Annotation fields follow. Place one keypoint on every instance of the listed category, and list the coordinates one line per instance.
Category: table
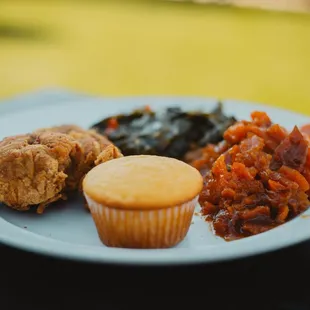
(276, 280)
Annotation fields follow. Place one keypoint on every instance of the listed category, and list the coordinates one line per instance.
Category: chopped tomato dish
(256, 179)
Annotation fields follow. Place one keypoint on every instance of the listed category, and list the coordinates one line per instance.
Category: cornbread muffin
(142, 201)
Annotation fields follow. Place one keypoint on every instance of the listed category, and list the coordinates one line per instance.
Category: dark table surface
(278, 280)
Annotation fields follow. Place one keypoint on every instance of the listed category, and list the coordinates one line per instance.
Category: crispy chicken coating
(34, 168)
(39, 168)
(91, 144)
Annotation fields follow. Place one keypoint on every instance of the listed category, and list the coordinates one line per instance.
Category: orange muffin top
(142, 182)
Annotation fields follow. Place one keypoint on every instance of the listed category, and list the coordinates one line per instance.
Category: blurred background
(256, 50)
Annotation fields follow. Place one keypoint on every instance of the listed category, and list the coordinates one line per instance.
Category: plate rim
(11, 234)
(59, 95)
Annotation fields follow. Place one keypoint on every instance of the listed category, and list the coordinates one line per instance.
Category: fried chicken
(33, 168)
(39, 168)
(91, 143)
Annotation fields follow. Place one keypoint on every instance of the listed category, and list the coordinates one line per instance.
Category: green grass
(155, 47)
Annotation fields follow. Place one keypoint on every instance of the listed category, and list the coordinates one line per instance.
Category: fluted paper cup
(158, 228)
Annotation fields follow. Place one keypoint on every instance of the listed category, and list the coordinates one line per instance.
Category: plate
(67, 230)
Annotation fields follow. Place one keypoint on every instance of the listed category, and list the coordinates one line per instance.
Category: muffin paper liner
(162, 228)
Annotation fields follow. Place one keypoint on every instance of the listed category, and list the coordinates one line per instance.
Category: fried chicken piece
(34, 168)
(109, 153)
(38, 168)
(92, 145)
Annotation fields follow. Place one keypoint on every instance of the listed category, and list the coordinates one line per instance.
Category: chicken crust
(91, 144)
(33, 168)
(39, 168)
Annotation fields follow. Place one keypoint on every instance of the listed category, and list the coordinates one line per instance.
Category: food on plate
(248, 176)
(142, 201)
(257, 179)
(171, 132)
(40, 167)
(306, 130)
(33, 168)
(91, 145)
